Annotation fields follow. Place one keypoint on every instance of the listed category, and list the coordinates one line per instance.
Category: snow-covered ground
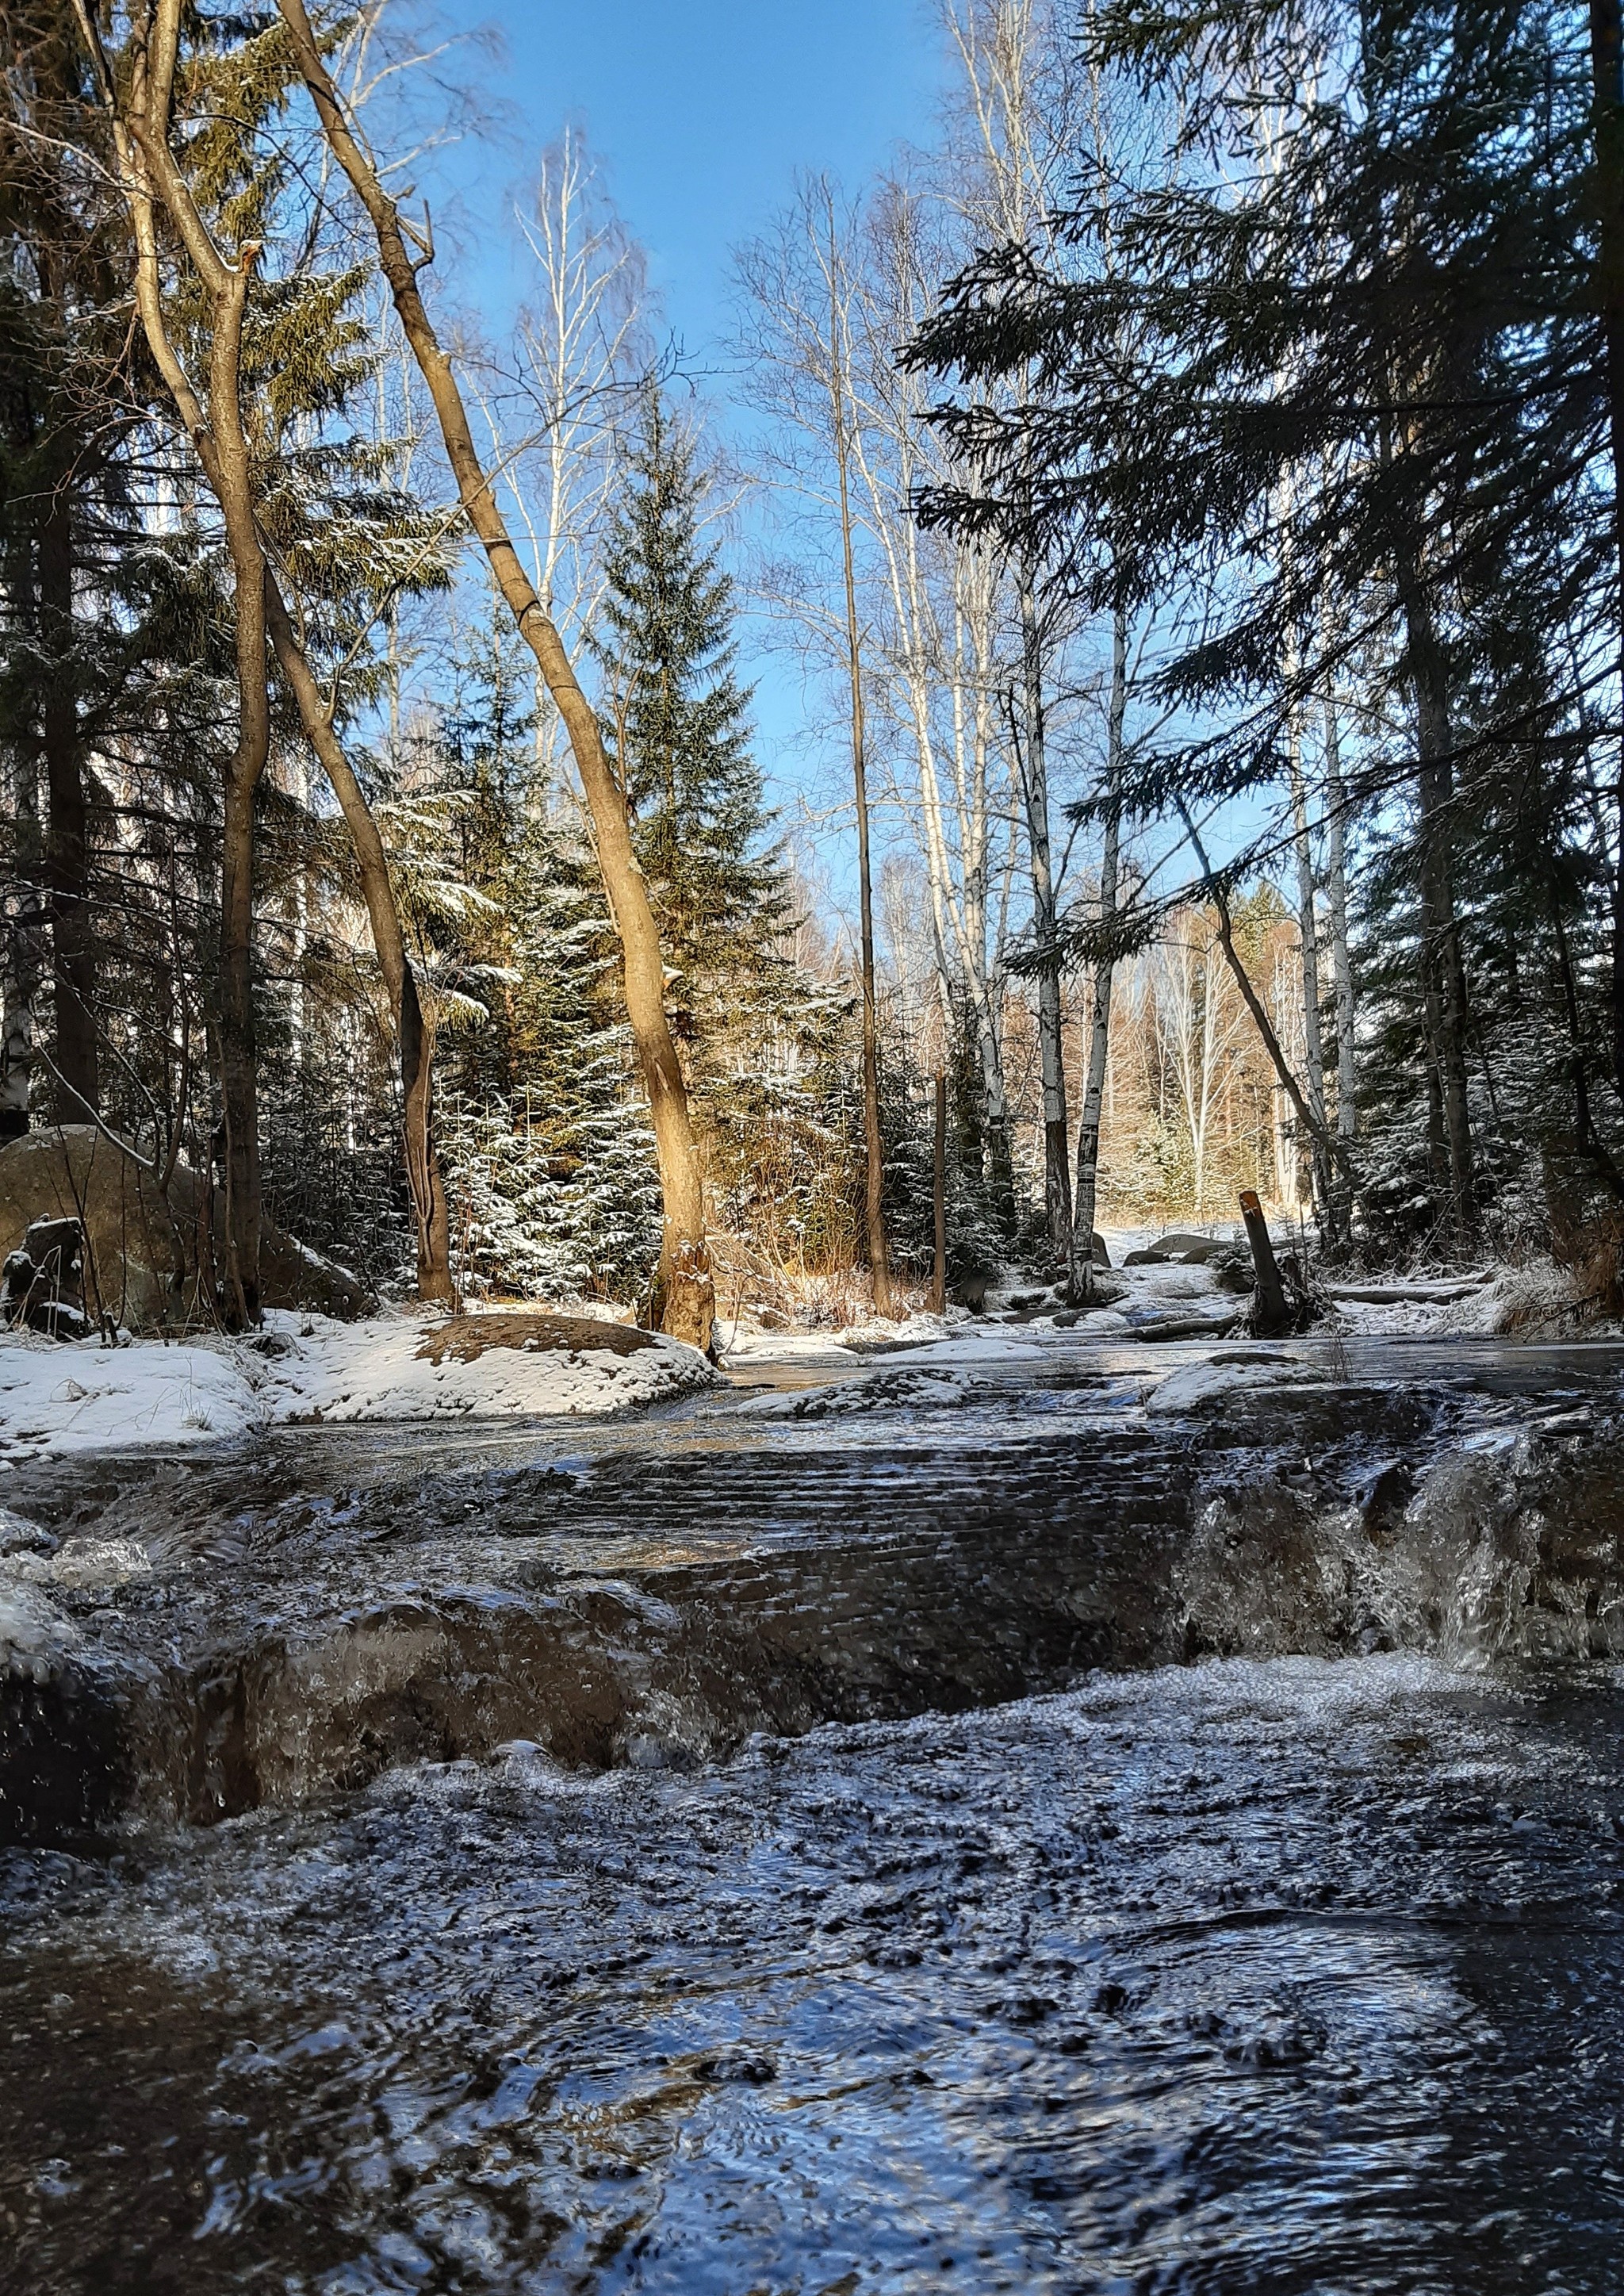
(1534, 1302)
(56, 1399)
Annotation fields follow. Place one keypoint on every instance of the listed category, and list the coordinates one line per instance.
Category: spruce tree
(1353, 309)
(676, 722)
(549, 1156)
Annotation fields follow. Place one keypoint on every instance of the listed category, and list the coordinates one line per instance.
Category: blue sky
(699, 117)
(703, 112)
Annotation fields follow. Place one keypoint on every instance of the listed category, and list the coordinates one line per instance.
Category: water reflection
(1283, 1977)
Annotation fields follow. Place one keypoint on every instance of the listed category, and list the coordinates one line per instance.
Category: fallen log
(1399, 1295)
(1184, 1327)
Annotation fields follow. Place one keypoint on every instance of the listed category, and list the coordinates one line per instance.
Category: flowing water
(939, 1831)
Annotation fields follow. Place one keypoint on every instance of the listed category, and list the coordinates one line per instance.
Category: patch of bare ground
(466, 1338)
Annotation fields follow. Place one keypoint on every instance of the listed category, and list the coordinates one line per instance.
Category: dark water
(1286, 1976)
(1279, 1975)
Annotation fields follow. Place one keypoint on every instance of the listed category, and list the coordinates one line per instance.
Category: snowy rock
(1204, 1386)
(19, 1536)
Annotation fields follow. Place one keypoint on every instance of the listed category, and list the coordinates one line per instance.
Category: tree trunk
(1607, 75)
(22, 921)
(1307, 932)
(1443, 965)
(1260, 1020)
(1000, 1155)
(1035, 787)
(873, 1145)
(140, 133)
(430, 1219)
(19, 962)
(1342, 967)
(239, 1049)
(939, 1287)
(221, 449)
(684, 1298)
(1104, 971)
(67, 850)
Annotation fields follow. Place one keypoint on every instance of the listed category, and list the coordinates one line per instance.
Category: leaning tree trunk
(1105, 974)
(430, 1219)
(684, 1300)
(1308, 1126)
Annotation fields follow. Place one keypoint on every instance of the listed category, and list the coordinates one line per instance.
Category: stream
(968, 1820)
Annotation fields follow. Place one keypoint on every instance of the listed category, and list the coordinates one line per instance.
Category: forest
(812, 1148)
(1181, 498)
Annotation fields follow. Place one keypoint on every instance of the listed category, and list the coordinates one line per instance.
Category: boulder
(1180, 1243)
(148, 1256)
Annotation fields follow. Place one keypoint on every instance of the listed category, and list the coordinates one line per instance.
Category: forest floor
(145, 1394)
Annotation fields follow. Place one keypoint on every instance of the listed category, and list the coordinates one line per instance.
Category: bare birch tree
(803, 328)
(583, 355)
(1006, 171)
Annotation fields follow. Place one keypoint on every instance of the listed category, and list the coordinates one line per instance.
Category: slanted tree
(281, 357)
(685, 1299)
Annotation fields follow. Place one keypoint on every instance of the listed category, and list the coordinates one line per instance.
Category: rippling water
(1285, 1975)
(1289, 1976)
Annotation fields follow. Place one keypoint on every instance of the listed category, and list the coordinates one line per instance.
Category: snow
(1535, 1302)
(57, 1399)
(1193, 1387)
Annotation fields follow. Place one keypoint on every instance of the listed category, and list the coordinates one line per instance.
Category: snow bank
(1535, 1302)
(741, 1344)
(56, 1399)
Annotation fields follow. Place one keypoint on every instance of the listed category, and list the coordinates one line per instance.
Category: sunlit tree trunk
(141, 126)
(684, 1295)
(873, 1210)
